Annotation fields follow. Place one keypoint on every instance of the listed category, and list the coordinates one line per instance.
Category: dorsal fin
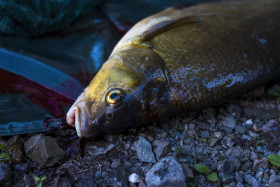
(168, 25)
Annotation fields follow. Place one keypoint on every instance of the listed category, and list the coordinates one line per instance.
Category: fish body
(181, 60)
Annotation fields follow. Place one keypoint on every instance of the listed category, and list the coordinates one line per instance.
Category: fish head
(118, 95)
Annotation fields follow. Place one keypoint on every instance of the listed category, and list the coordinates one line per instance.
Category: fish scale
(181, 60)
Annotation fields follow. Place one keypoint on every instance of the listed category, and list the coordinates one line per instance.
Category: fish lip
(78, 122)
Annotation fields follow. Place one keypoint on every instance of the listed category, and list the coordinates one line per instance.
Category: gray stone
(239, 185)
(246, 137)
(249, 179)
(144, 150)
(204, 134)
(115, 164)
(43, 150)
(240, 129)
(88, 178)
(234, 152)
(213, 141)
(225, 176)
(120, 177)
(5, 175)
(187, 171)
(167, 172)
(274, 184)
(263, 162)
(274, 178)
(239, 177)
(15, 148)
(226, 166)
(218, 135)
(99, 147)
(229, 122)
(161, 148)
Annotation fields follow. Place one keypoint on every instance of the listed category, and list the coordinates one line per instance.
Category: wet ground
(233, 140)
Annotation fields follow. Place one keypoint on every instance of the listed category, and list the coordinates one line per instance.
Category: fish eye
(115, 96)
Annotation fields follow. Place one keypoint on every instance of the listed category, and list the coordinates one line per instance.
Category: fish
(180, 60)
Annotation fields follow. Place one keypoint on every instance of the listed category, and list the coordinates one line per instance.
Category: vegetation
(204, 170)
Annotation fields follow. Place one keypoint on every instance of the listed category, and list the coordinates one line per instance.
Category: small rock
(274, 184)
(229, 122)
(159, 147)
(240, 129)
(43, 150)
(167, 172)
(218, 135)
(263, 162)
(274, 178)
(120, 176)
(271, 125)
(15, 148)
(204, 134)
(251, 180)
(5, 175)
(225, 176)
(187, 171)
(253, 156)
(87, 178)
(253, 135)
(225, 166)
(239, 177)
(239, 185)
(234, 152)
(246, 137)
(144, 150)
(213, 141)
(99, 147)
(115, 164)
(134, 178)
(249, 122)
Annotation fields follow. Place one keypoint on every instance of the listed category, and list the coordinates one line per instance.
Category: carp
(180, 60)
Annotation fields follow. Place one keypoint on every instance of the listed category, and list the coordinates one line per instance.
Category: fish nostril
(70, 117)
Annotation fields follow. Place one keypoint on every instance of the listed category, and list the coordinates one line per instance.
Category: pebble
(43, 150)
(234, 152)
(204, 134)
(274, 178)
(213, 141)
(144, 150)
(263, 162)
(161, 148)
(274, 184)
(15, 148)
(187, 171)
(218, 135)
(239, 177)
(95, 148)
(226, 166)
(249, 122)
(134, 178)
(249, 179)
(240, 129)
(5, 175)
(246, 137)
(167, 172)
(229, 122)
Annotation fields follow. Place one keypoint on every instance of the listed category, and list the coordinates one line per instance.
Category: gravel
(226, 139)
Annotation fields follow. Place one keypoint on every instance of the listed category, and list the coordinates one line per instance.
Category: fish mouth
(73, 119)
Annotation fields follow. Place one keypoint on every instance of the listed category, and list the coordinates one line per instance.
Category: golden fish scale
(217, 58)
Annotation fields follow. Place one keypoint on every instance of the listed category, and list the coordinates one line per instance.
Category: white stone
(134, 178)
(249, 122)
